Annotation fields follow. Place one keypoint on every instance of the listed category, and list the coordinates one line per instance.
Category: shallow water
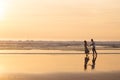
(52, 63)
(56, 51)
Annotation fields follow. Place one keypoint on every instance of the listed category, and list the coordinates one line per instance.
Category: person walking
(93, 47)
(86, 48)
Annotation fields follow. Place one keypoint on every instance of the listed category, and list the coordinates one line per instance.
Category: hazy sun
(2, 6)
(1, 13)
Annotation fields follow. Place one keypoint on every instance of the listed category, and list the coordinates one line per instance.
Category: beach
(65, 76)
(59, 66)
(59, 40)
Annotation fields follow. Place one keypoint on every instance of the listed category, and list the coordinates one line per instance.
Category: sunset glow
(60, 19)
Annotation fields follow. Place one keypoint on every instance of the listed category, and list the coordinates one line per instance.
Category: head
(92, 40)
(85, 41)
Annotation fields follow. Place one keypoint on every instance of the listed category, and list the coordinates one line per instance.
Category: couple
(87, 52)
(93, 47)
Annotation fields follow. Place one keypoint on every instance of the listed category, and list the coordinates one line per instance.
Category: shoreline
(59, 53)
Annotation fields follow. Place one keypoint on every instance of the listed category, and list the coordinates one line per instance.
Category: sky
(59, 19)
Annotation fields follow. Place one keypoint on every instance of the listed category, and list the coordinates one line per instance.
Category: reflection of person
(86, 48)
(93, 62)
(93, 47)
(86, 62)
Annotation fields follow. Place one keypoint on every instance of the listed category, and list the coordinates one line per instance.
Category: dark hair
(85, 42)
(91, 39)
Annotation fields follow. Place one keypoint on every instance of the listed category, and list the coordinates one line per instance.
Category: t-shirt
(93, 44)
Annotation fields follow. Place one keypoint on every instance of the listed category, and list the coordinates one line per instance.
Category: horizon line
(50, 39)
(48, 53)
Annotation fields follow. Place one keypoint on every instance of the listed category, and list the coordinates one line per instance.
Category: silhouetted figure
(93, 47)
(86, 48)
(86, 62)
(93, 62)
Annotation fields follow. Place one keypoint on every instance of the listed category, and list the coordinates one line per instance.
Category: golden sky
(60, 19)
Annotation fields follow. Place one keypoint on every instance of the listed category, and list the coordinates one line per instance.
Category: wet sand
(65, 76)
(58, 67)
(47, 63)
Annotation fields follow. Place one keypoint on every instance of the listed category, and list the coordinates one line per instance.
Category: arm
(91, 44)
